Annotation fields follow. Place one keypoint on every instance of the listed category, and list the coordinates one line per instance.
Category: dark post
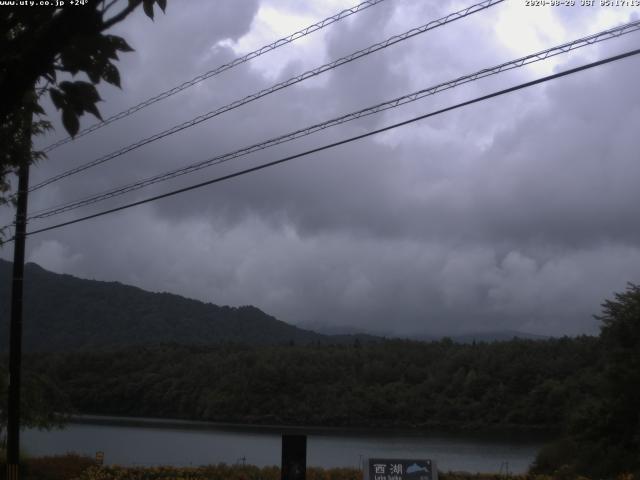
(15, 335)
(294, 457)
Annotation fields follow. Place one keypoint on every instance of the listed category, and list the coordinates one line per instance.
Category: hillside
(63, 312)
(521, 384)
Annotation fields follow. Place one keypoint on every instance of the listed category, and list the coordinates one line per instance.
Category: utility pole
(15, 335)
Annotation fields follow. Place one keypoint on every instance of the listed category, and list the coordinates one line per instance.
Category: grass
(78, 467)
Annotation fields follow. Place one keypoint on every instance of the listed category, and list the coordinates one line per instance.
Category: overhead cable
(389, 104)
(341, 142)
(274, 88)
(222, 68)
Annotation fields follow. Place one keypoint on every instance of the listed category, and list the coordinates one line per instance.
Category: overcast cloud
(516, 213)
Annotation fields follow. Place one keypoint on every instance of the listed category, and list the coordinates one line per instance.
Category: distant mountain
(342, 330)
(63, 312)
(497, 336)
(488, 336)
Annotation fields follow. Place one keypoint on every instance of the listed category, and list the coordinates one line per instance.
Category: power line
(222, 68)
(396, 102)
(342, 142)
(274, 88)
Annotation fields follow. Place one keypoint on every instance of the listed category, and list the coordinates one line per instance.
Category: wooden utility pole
(15, 335)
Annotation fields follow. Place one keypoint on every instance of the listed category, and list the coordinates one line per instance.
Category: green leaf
(147, 5)
(73, 58)
(41, 126)
(111, 75)
(93, 74)
(162, 4)
(70, 121)
(80, 97)
(82, 91)
(57, 98)
(67, 87)
(91, 108)
(119, 43)
(37, 109)
(86, 99)
(106, 48)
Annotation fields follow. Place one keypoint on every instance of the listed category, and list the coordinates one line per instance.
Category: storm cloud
(516, 213)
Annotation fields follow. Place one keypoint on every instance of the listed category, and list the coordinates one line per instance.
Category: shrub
(59, 467)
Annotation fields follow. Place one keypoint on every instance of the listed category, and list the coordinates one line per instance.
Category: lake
(159, 442)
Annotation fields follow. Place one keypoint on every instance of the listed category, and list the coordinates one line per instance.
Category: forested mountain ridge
(63, 312)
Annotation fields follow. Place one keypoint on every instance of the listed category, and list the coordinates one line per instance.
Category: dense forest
(520, 383)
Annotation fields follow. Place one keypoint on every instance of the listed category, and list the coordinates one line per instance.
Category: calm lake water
(198, 444)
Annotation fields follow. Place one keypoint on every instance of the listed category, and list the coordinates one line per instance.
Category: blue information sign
(400, 469)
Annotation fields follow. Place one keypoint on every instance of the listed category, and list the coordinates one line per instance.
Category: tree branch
(108, 6)
(120, 16)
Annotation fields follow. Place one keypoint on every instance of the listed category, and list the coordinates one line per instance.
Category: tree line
(516, 384)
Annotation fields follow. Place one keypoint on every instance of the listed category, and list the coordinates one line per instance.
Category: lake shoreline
(132, 442)
(515, 433)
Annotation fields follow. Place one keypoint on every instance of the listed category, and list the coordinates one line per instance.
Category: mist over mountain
(469, 337)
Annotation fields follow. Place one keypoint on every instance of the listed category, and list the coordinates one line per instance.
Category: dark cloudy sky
(516, 213)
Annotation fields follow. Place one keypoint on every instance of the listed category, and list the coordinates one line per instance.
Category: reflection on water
(126, 445)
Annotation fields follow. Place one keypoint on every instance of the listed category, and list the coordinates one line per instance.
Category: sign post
(400, 469)
(294, 457)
